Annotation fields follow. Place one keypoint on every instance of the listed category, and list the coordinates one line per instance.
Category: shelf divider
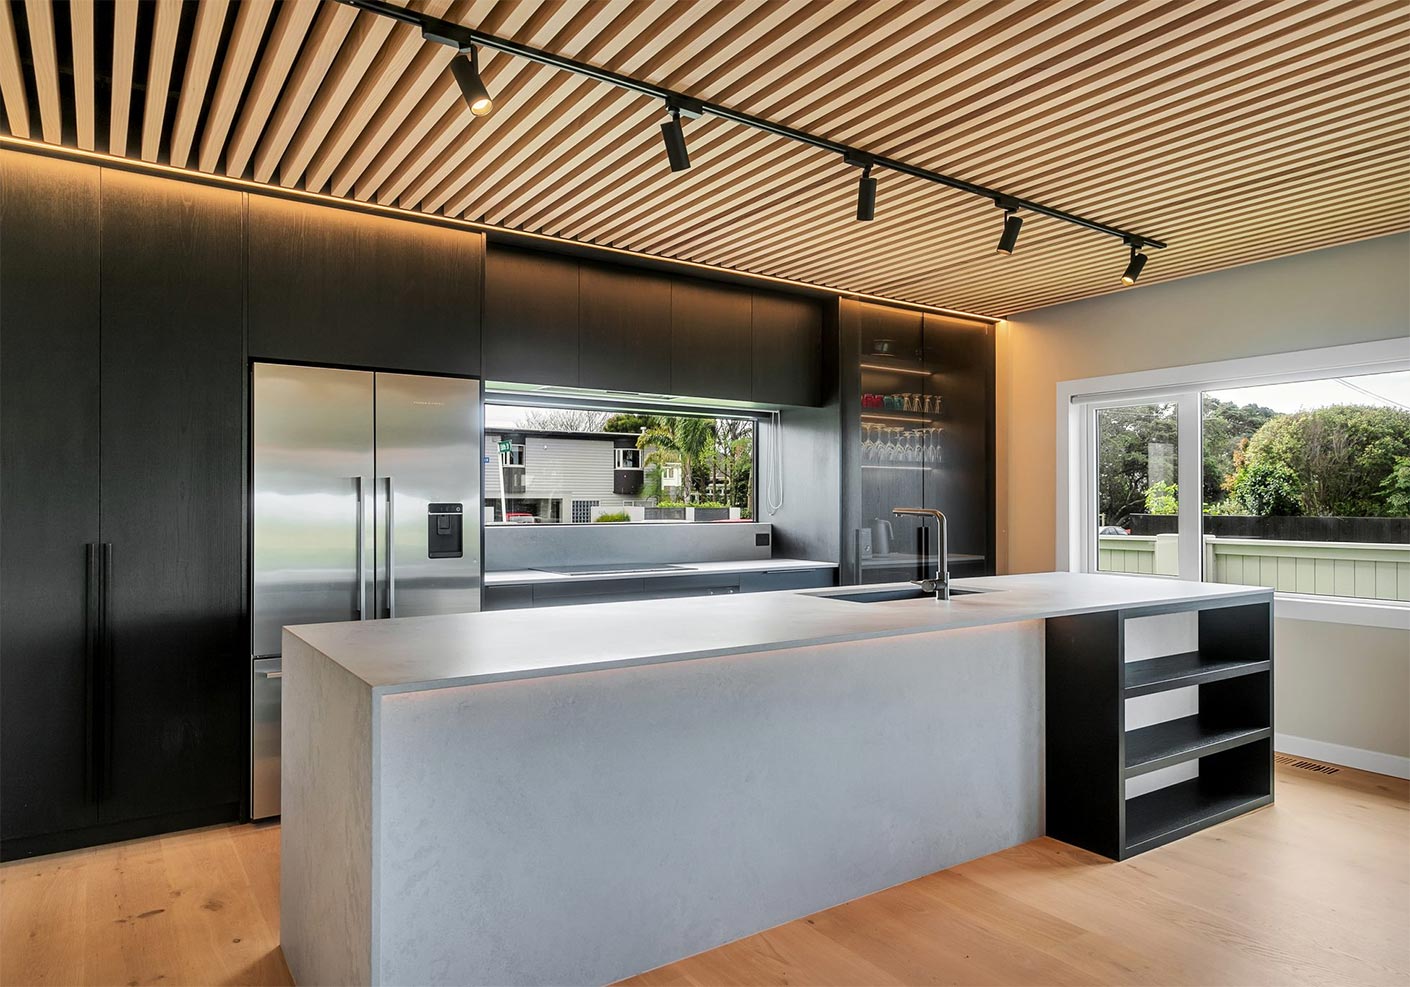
(1189, 668)
(1189, 737)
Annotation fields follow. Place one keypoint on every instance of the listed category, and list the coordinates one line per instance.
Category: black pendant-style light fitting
(674, 139)
(866, 195)
(866, 185)
(1133, 269)
(466, 69)
(1013, 222)
(467, 75)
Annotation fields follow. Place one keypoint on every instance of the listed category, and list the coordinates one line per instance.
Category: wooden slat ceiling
(1237, 130)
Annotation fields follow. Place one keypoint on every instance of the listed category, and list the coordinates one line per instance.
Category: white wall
(1337, 684)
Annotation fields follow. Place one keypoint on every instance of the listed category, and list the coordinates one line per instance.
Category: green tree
(684, 440)
(1396, 487)
(1163, 498)
(1126, 437)
(1342, 458)
(625, 422)
(1226, 426)
(730, 460)
(1268, 489)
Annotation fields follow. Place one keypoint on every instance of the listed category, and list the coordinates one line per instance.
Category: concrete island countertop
(522, 577)
(423, 653)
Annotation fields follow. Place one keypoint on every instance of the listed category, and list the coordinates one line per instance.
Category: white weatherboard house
(561, 476)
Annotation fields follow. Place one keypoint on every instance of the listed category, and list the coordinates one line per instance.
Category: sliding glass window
(1301, 485)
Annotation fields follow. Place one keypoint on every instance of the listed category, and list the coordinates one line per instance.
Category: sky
(505, 415)
(1385, 390)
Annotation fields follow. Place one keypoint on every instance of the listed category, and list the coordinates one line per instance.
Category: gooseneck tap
(940, 585)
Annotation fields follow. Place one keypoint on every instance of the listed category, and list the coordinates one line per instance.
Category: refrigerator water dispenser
(444, 538)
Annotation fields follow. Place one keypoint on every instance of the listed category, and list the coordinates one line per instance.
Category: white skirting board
(1350, 757)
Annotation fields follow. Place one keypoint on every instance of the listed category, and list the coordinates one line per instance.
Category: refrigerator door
(266, 696)
(311, 500)
(428, 495)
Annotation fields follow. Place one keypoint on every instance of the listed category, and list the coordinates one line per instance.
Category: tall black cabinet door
(48, 489)
(172, 479)
(624, 329)
(961, 354)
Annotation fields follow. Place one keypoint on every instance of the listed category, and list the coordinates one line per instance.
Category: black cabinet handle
(105, 658)
(92, 633)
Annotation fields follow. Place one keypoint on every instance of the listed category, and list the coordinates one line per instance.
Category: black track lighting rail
(462, 37)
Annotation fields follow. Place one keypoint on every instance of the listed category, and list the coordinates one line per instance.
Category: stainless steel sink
(892, 595)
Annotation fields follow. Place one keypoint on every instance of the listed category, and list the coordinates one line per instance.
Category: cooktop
(610, 568)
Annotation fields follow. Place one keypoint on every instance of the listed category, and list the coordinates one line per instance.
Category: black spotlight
(1013, 222)
(866, 195)
(467, 73)
(1133, 269)
(674, 137)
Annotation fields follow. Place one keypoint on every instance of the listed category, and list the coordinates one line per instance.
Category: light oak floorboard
(1314, 889)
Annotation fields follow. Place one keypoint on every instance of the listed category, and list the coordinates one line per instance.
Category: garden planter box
(707, 513)
(665, 513)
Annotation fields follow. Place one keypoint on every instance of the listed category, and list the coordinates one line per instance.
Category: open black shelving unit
(1091, 753)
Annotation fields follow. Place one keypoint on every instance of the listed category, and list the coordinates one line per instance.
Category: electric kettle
(881, 535)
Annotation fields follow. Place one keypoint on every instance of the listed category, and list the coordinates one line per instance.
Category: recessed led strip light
(896, 370)
(678, 105)
(103, 159)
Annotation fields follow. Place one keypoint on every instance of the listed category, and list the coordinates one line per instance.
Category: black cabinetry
(172, 477)
(531, 317)
(123, 653)
(787, 349)
(48, 492)
(624, 326)
(335, 286)
(712, 340)
(557, 320)
(918, 390)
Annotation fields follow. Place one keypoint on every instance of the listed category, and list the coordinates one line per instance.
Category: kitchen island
(580, 794)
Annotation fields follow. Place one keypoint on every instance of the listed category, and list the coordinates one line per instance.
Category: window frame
(1079, 400)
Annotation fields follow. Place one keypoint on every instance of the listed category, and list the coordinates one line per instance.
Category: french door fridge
(365, 505)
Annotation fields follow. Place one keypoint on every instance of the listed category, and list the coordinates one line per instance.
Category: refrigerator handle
(391, 554)
(361, 562)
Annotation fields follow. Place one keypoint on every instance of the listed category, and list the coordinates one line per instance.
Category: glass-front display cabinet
(920, 410)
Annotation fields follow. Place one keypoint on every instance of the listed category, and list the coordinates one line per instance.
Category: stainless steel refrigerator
(365, 505)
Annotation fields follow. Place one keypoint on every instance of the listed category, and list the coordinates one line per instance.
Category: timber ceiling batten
(1238, 130)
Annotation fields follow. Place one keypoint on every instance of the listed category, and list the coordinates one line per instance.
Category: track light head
(866, 196)
(1013, 222)
(674, 138)
(1133, 269)
(466, 70)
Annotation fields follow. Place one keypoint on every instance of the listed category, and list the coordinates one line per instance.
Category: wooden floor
(1315, 889)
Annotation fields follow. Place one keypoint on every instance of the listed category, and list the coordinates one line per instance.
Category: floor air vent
(1293, 762)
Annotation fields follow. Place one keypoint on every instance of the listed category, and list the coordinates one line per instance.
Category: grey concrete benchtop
(418, 653)
(522, 577)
